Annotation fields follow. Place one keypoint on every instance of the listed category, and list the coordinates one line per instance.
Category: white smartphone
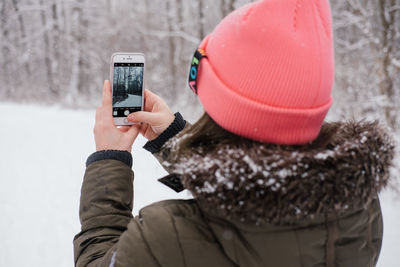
(127, 82)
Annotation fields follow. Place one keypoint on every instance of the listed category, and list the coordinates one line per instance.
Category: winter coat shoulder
(254, 206)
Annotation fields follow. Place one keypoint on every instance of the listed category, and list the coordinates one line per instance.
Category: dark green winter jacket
(253, 206)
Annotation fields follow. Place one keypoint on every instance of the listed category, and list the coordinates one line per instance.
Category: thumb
(153, 119)
(133, 131)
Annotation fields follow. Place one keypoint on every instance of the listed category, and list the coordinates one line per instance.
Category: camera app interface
(127, 88)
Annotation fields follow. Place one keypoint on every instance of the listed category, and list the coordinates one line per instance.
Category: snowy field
(42, 162)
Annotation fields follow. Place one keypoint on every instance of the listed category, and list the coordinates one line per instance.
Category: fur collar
(284, 183)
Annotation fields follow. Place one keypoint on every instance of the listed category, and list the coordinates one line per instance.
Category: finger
(150, 99)
(106, 117)
(124, 129)
(144, 128)
(153, 119)
(99, 116)
(99, 123)
(107, 98)
(107, 103)
(133, 132)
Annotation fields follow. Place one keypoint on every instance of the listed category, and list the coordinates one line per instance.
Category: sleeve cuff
(175, 127)
(124, 156)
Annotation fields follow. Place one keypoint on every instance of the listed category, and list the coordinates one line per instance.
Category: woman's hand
(107, 136)
(156, 116)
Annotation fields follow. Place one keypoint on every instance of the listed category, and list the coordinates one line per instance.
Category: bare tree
(171, 22)
(5, 49)
(56, 35)
(79, 66)
(47, 55)
(227, 6)
(22, 40)
(201, 22)
(387, 16)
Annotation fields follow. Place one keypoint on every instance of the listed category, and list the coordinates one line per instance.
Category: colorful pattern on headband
(198, 55)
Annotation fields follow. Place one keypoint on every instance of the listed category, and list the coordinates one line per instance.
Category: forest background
(58, 51)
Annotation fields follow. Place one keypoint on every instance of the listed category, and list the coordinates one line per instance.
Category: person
(272, 183)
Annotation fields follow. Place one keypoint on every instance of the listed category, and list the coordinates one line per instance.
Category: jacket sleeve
(162, 147)
(109, 235)
(166, 151)
(105, 211)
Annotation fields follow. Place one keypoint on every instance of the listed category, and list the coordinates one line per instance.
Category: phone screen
(127, 88)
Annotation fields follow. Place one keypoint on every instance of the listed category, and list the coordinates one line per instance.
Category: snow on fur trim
(280, 184)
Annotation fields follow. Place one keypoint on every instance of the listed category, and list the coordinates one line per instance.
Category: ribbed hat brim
(253, 119)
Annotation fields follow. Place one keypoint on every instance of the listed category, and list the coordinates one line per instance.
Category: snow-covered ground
(42, 162)
(131, 101)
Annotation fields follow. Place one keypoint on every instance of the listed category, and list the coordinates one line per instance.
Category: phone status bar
(128, 64)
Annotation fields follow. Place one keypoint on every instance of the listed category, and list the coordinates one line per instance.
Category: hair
(208, 135)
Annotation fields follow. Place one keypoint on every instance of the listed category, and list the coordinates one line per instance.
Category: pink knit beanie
(268, 70)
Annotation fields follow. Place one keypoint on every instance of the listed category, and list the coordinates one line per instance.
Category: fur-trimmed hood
(281, 183)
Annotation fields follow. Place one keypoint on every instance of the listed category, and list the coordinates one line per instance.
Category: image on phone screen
(127, 88)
